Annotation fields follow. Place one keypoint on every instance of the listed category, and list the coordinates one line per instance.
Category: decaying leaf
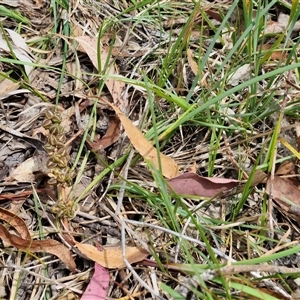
(241, 74)
(276, 54)
(111, 257)
(66, 118)
(74, 68)
(145, 148)
(98, 285)
(111, 136)
(90, 45)
(281, 25)
(283, 192)
(285, 168)
(37, 144)
(12, 3)
(193, 65)
(18, 40)
(213, 13)
(49, 246)
(18, 51)
(9, 88)
(19, 196)
(25, 172)
(193, 168)
(259, 177)
(25, 243)
(193, 184)
(16, 222)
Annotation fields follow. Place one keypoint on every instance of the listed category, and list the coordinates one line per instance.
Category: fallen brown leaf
(285, 168)
(90, 46)
(37, 144)
(27, 170)
(16, 222)
(29, 245)
(283, 192)
(144, 147)
(9, 88)
(20, 195)
(111, 136)
(259, 177)
(193, 65)
(25, 243)
(214, 14)
(193, 184)
(276, 54)
(111, 257)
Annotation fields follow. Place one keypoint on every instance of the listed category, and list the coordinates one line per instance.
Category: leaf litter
(192, 184)
(98, 285)
(25, 243)
(111, 257)
(87, 138)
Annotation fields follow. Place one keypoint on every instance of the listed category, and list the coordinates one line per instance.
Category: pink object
(193, 184)
(97, 288)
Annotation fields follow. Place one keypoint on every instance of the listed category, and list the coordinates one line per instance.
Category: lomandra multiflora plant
(60, 174)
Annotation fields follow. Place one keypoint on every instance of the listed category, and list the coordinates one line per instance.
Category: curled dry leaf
(25, 243)
(111, 257)
(49, 246)
(144, 147)
(37, 144)
(16, 222)
(193, 184)
(19, 196)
